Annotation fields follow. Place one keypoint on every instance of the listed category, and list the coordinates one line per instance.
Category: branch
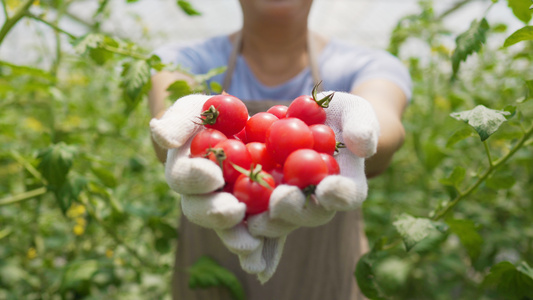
(482, 178)
(23, 196)
(53, 26)
(10, 22)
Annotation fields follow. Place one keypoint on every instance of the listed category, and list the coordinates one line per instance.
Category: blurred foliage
(85, 212)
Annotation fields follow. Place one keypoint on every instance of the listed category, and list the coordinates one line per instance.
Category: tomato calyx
(324, 102)
(209, 116)
(338, 146)
(220, 155)
(255, 175)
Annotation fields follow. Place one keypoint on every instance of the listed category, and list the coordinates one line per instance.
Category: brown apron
(317, 263)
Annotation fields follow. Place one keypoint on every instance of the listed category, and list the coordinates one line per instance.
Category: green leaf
(178, 89)
(93, 44)
(529, 85)
(521, 9)
(466, 230)
(135, 80)
(522, 34)
(69, 192)
(77, 272)
(484, 120)
(469, 42)
(215, 87)
(55, 163)
(455, 178)
(458, 136)
(365, 277)
(510, 281)
(501, 180)
(206, 273)
(187, 8)
(392, 274)
(16, 70)
(413, 230)
(105, 176)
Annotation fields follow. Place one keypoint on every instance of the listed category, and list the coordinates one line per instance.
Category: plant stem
(110, 231)
(4, 7)
(53, 26)
(10, 22)
(124, 53)
(484, 176)
(29, 167)
(487, 150)
(23, 196)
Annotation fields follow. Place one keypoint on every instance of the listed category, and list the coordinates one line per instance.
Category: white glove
(259, 243)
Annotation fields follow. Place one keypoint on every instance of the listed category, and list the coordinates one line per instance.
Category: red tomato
(331, 162)
(225, 113)
(306, 109)
(324, 138)
(241, 136)
(286, 136)
(260, 155)
(255, 195)
(278, 110)
(231, 151)
(204, 140)
(303, 168)
(257, 126)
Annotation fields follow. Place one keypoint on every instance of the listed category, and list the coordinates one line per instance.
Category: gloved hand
(259, 243)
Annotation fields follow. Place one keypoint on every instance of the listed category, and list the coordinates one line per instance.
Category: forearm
(156, 101)
(388, 102)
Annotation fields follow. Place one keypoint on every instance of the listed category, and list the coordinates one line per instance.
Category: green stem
(28, 166)
(23, 196)
(53, 26)
(111, 232)
(4, 7)
(482, 178)
(10, 22)
(487, 150)
(123, 52)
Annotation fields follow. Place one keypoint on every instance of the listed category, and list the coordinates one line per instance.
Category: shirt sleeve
(384, 65)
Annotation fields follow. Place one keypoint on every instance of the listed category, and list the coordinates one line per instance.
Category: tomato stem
(210, 116)
(324, 102)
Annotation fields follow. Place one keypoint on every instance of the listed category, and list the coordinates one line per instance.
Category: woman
(275, 57)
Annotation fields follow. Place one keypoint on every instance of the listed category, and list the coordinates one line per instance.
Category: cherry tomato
(241, 136)
(260, 155)
(225, 113)
(277, 173)
(230, 152)
(331, 162)
(278, 110)
(287, 135)
(204, 140)
(303, 168)
(306, 109)
(324, 138)
(257, 126)
(251, 192)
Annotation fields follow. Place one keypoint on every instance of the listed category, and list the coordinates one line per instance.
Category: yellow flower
(109, 253)
(78, 229)
(76, 210)
(32, 253)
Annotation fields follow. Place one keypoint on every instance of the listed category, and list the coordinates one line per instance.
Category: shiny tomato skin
(331, 162)
(303, 168)
(324, 138)
(254, 195)
(235, 152)
(279, 111)
(257, 126)
(241, 136)
(204, 140)
(260, 156)
(232, 114)
(306, 109)
(287, 135)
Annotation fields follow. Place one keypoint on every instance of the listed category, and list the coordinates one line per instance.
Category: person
(275, 58)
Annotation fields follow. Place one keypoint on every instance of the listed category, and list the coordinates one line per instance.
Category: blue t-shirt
(341, 66)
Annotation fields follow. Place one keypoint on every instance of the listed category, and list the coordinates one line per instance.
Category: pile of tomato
(284, 145)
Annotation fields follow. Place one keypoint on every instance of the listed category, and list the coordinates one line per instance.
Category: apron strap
(311, 48)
